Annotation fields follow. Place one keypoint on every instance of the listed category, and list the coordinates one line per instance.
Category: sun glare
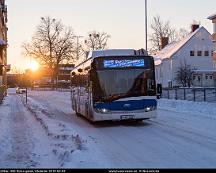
(34, 65)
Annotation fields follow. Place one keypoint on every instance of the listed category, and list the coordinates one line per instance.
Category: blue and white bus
(115, 84)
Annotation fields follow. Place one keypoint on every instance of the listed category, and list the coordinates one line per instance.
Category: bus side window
(73, 80)
(91, 75)
(85, 80)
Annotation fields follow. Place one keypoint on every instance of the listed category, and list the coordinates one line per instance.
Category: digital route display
(123, 63)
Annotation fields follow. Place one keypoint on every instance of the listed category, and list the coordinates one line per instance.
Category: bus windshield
(110, 85)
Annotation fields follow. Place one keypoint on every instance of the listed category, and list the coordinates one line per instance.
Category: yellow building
(3, 48)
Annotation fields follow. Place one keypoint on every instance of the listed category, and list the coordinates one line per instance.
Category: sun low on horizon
(34, 65)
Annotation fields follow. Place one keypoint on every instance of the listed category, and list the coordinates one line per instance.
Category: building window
(206, 53)
(199, 78)
(192, 53)
(206, 77)
(211, 77)
(199, 53)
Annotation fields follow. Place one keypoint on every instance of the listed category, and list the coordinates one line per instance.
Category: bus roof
(114, 52)
(111, 52)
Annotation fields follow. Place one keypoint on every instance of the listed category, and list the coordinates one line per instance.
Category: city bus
(115, 84)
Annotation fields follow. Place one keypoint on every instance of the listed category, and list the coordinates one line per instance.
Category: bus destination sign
(123, 63)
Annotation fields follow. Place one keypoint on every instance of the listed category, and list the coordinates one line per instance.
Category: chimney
(194, 27)
(164, 41)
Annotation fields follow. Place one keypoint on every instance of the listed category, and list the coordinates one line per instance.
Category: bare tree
(182, 33)
(51, 44)
(184, 75)
(161, 29)
(97, 40)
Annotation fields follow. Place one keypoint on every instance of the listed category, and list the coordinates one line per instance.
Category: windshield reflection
(112, 85)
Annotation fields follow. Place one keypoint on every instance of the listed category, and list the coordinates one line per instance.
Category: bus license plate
(127, 117)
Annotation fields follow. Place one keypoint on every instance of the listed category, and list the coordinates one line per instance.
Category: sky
(122, 19)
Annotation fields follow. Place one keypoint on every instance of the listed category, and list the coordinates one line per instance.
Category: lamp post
(146, 25)
(77, 40)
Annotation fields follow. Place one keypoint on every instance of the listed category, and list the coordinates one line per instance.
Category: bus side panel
(89, 107)
(75, 99)
(83, 103)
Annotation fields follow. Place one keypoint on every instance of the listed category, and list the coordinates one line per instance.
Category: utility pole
(26, 94)
(77, 40)
(146, 26)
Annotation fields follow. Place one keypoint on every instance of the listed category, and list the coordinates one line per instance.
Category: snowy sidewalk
(199, 108)
(23, 143)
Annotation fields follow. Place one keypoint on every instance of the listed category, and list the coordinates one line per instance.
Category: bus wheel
(145, 119)
(94, 123)
(139, 120)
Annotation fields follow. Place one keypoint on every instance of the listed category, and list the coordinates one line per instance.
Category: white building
(195, 50)
(213, 19)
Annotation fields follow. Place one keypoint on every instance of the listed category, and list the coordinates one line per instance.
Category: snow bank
(73, 143)
(65, 139)
(199, 108)
(5, 144)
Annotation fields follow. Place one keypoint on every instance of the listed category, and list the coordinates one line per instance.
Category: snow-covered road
(172, 140)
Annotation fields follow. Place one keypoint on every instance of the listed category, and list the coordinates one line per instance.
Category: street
(172, 140)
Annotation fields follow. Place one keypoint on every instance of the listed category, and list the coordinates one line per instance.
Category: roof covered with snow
(111, 52)
(169, 50)
(213, 16)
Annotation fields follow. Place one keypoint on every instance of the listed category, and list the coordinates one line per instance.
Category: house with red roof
(196, 50)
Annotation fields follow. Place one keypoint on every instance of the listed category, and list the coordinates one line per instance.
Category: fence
(3, 91)
(190, 94)
(50, 89)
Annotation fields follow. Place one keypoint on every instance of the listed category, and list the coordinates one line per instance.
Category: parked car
(20, 90)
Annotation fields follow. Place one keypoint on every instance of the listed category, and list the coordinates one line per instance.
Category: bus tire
(146, 119)
(141, 120)
(94, 123)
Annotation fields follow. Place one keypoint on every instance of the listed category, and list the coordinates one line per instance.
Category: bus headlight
(150, 108)
(102, 110)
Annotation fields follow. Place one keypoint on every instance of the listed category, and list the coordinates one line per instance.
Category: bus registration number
(127, 117)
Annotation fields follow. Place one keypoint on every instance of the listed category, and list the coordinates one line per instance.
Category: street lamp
(77, 38)
(146, 25)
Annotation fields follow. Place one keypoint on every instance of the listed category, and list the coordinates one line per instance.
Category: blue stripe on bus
(130, 105)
